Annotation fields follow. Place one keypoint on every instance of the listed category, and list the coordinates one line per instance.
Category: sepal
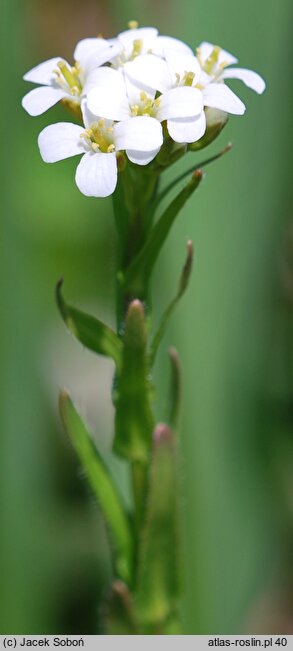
(216, 121)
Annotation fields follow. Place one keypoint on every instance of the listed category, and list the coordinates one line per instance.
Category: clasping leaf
(158, 581)
(102, 485)
(91, 332)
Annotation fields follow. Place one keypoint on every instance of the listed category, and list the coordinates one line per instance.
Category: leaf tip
(64, 399)
(59, 283)
(197, 175)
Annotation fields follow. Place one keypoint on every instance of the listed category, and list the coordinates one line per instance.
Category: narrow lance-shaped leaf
(175, 389)
(91, 332)
(102, 485)
(133, 420)
(158, 581)
(183, 284)
(140, 270)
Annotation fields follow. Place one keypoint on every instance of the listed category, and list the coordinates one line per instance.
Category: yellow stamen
(188, 78)
(132, 24)
(100, 137)
(134, 109)
(73, 82)
(212, 59)
(111, 148)
(137, 48)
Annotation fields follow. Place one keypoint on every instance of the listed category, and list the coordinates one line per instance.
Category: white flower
(214, 62)
(96, 174)
(122, 99)
(60, 81)
(205, 72)
(177, 75)
(144, 40)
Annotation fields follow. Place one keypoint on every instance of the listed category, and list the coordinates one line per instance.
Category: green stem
(136, 190)
(139, 483)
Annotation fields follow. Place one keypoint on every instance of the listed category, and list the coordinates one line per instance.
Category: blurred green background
(233, 330)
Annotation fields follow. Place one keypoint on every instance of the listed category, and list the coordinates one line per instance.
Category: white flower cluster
(126, 87)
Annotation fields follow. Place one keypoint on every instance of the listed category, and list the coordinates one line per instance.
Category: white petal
(164, 42)
(249, 78)
(221, 97)
(96, 174)
(39, 100)
(59, 141)
(145, 34)
(87, 116)
(150, 71)
(181, 102)
(141, 133)
(103, 76)
(98, 58)
(87, 46)
(188, 130)
(224, 57)
(180, 63)
(134, 89)
(141, 157)
(108, 102)
(44, 72)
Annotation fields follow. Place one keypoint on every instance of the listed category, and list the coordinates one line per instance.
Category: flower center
(186, 80)
(146, 106)
(68, 77)
(211, 65)
(99, 137)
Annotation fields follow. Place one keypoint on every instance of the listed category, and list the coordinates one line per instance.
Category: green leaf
(102, 485)
(118, 612)
(175, 389)
(139, 272)
(158, 581)
(133, 420)
(91, 332)
(183, 284)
